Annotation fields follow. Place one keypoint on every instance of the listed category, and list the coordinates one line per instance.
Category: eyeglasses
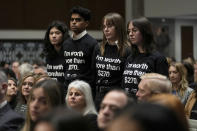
(28, 83)
(134, 30)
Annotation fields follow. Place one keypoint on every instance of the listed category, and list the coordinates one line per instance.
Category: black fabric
(92, 120)
(139, 65)
(55, 67)
(77, 58)
(9, 120)
(107, 69)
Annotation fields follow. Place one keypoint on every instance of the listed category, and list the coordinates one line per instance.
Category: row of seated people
(43, 94)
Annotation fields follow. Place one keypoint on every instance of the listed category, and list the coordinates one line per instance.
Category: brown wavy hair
(183, 74)
(116, 20)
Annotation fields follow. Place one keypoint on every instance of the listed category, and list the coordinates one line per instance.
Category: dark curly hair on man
(83, 12)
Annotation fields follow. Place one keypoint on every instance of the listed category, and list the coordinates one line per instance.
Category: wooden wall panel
(37, 14)
(11, 14)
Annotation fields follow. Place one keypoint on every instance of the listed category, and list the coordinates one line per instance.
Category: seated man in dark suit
(9, 120)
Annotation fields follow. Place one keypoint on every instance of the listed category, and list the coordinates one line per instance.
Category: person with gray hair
(9, 120)
(79, 97)
(24, 69)
(153, 83)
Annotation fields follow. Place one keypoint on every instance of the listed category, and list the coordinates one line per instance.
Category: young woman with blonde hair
(177, 76)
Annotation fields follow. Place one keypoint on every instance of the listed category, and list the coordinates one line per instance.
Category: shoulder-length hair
(183, 75)
(86, 90)
(116, 20)
(49, 50)
(22, 99)
(52, 93)
(145, 28)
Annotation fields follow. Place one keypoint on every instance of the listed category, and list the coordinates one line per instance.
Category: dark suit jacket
(9, 120)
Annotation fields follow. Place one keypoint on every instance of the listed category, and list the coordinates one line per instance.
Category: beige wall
(166, 8)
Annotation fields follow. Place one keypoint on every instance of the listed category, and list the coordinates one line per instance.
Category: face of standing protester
(135, 35)
(109, 31)
(77, 24)
(55, 36)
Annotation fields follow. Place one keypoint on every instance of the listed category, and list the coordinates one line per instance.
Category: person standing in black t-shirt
(79, 48)
(144, 58)
(110, 55)
(55, 35)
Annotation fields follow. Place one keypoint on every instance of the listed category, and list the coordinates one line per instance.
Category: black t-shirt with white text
(108, 68)
(55, 68)
(78, 58)
(137, 66)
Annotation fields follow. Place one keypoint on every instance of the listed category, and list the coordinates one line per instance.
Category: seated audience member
(79, 98)
(24, 69)
(191, 105)
(113, 101)
(41, 70)
(9, 120)
(190, 72)
(44, 96)
(12, 91)
(62, 119)
(15, 68)
(146, 117)
(151, 84)
(40, 77)
(177, 76)
(9, 73)
(172, 102)
(25, 87)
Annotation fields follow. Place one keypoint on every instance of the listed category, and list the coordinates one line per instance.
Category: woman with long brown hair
(144, 58)
(110, 55)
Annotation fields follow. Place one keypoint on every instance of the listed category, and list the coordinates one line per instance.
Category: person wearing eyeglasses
(25, 87)
(79, 48)
(144, 58)
(110, 55)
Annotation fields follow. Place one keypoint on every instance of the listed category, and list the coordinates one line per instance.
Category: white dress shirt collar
(79, 36)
